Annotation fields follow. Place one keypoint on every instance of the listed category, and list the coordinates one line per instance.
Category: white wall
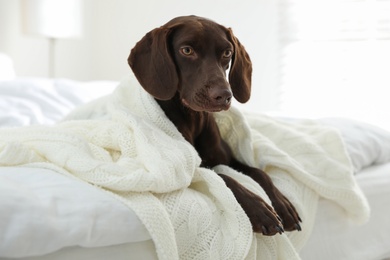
(112, 27)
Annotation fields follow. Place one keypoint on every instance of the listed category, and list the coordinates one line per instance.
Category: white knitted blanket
(127, 146)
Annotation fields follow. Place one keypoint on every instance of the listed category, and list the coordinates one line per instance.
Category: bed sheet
(335, 238)
(332, 237)
(43, 211)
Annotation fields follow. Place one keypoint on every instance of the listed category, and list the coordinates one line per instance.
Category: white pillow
(366, 144)
(45, 101)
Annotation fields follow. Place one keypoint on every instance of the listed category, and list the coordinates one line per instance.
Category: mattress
(126, 238)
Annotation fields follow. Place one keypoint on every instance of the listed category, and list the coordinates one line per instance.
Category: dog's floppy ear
(240, 75)
(153, 65)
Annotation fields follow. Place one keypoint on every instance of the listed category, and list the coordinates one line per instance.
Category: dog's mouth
(206, 106)
(208, 99)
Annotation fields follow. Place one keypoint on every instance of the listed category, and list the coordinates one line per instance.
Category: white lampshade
(53, 18)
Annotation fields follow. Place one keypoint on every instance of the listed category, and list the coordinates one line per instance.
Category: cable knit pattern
(125, 144)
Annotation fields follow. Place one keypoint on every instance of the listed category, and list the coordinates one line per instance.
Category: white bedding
(49, 211)
(32, 101)
(332, 237)
(335, 238)
(38, 216)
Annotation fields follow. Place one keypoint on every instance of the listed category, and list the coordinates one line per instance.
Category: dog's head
(190, 55)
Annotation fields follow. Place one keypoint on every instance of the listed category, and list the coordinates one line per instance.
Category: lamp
(53, 19)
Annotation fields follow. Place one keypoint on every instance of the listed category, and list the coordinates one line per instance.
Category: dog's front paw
(287, 212)
(263, 217)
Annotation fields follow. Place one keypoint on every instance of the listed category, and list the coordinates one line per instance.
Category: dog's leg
(283, 207)
(262, 216)
(214, 151)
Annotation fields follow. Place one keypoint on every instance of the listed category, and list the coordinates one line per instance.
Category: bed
(45, 215)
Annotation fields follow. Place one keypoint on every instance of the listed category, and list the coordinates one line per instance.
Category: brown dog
(183, 66)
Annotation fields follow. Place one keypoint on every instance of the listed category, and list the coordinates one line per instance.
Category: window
(335, 58)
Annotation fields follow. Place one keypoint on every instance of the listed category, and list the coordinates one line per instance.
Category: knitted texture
(125, 144)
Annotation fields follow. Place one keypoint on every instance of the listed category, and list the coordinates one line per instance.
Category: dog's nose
(221, 96)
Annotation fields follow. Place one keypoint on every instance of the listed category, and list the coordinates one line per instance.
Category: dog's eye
(186, 50)
(227, 53)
